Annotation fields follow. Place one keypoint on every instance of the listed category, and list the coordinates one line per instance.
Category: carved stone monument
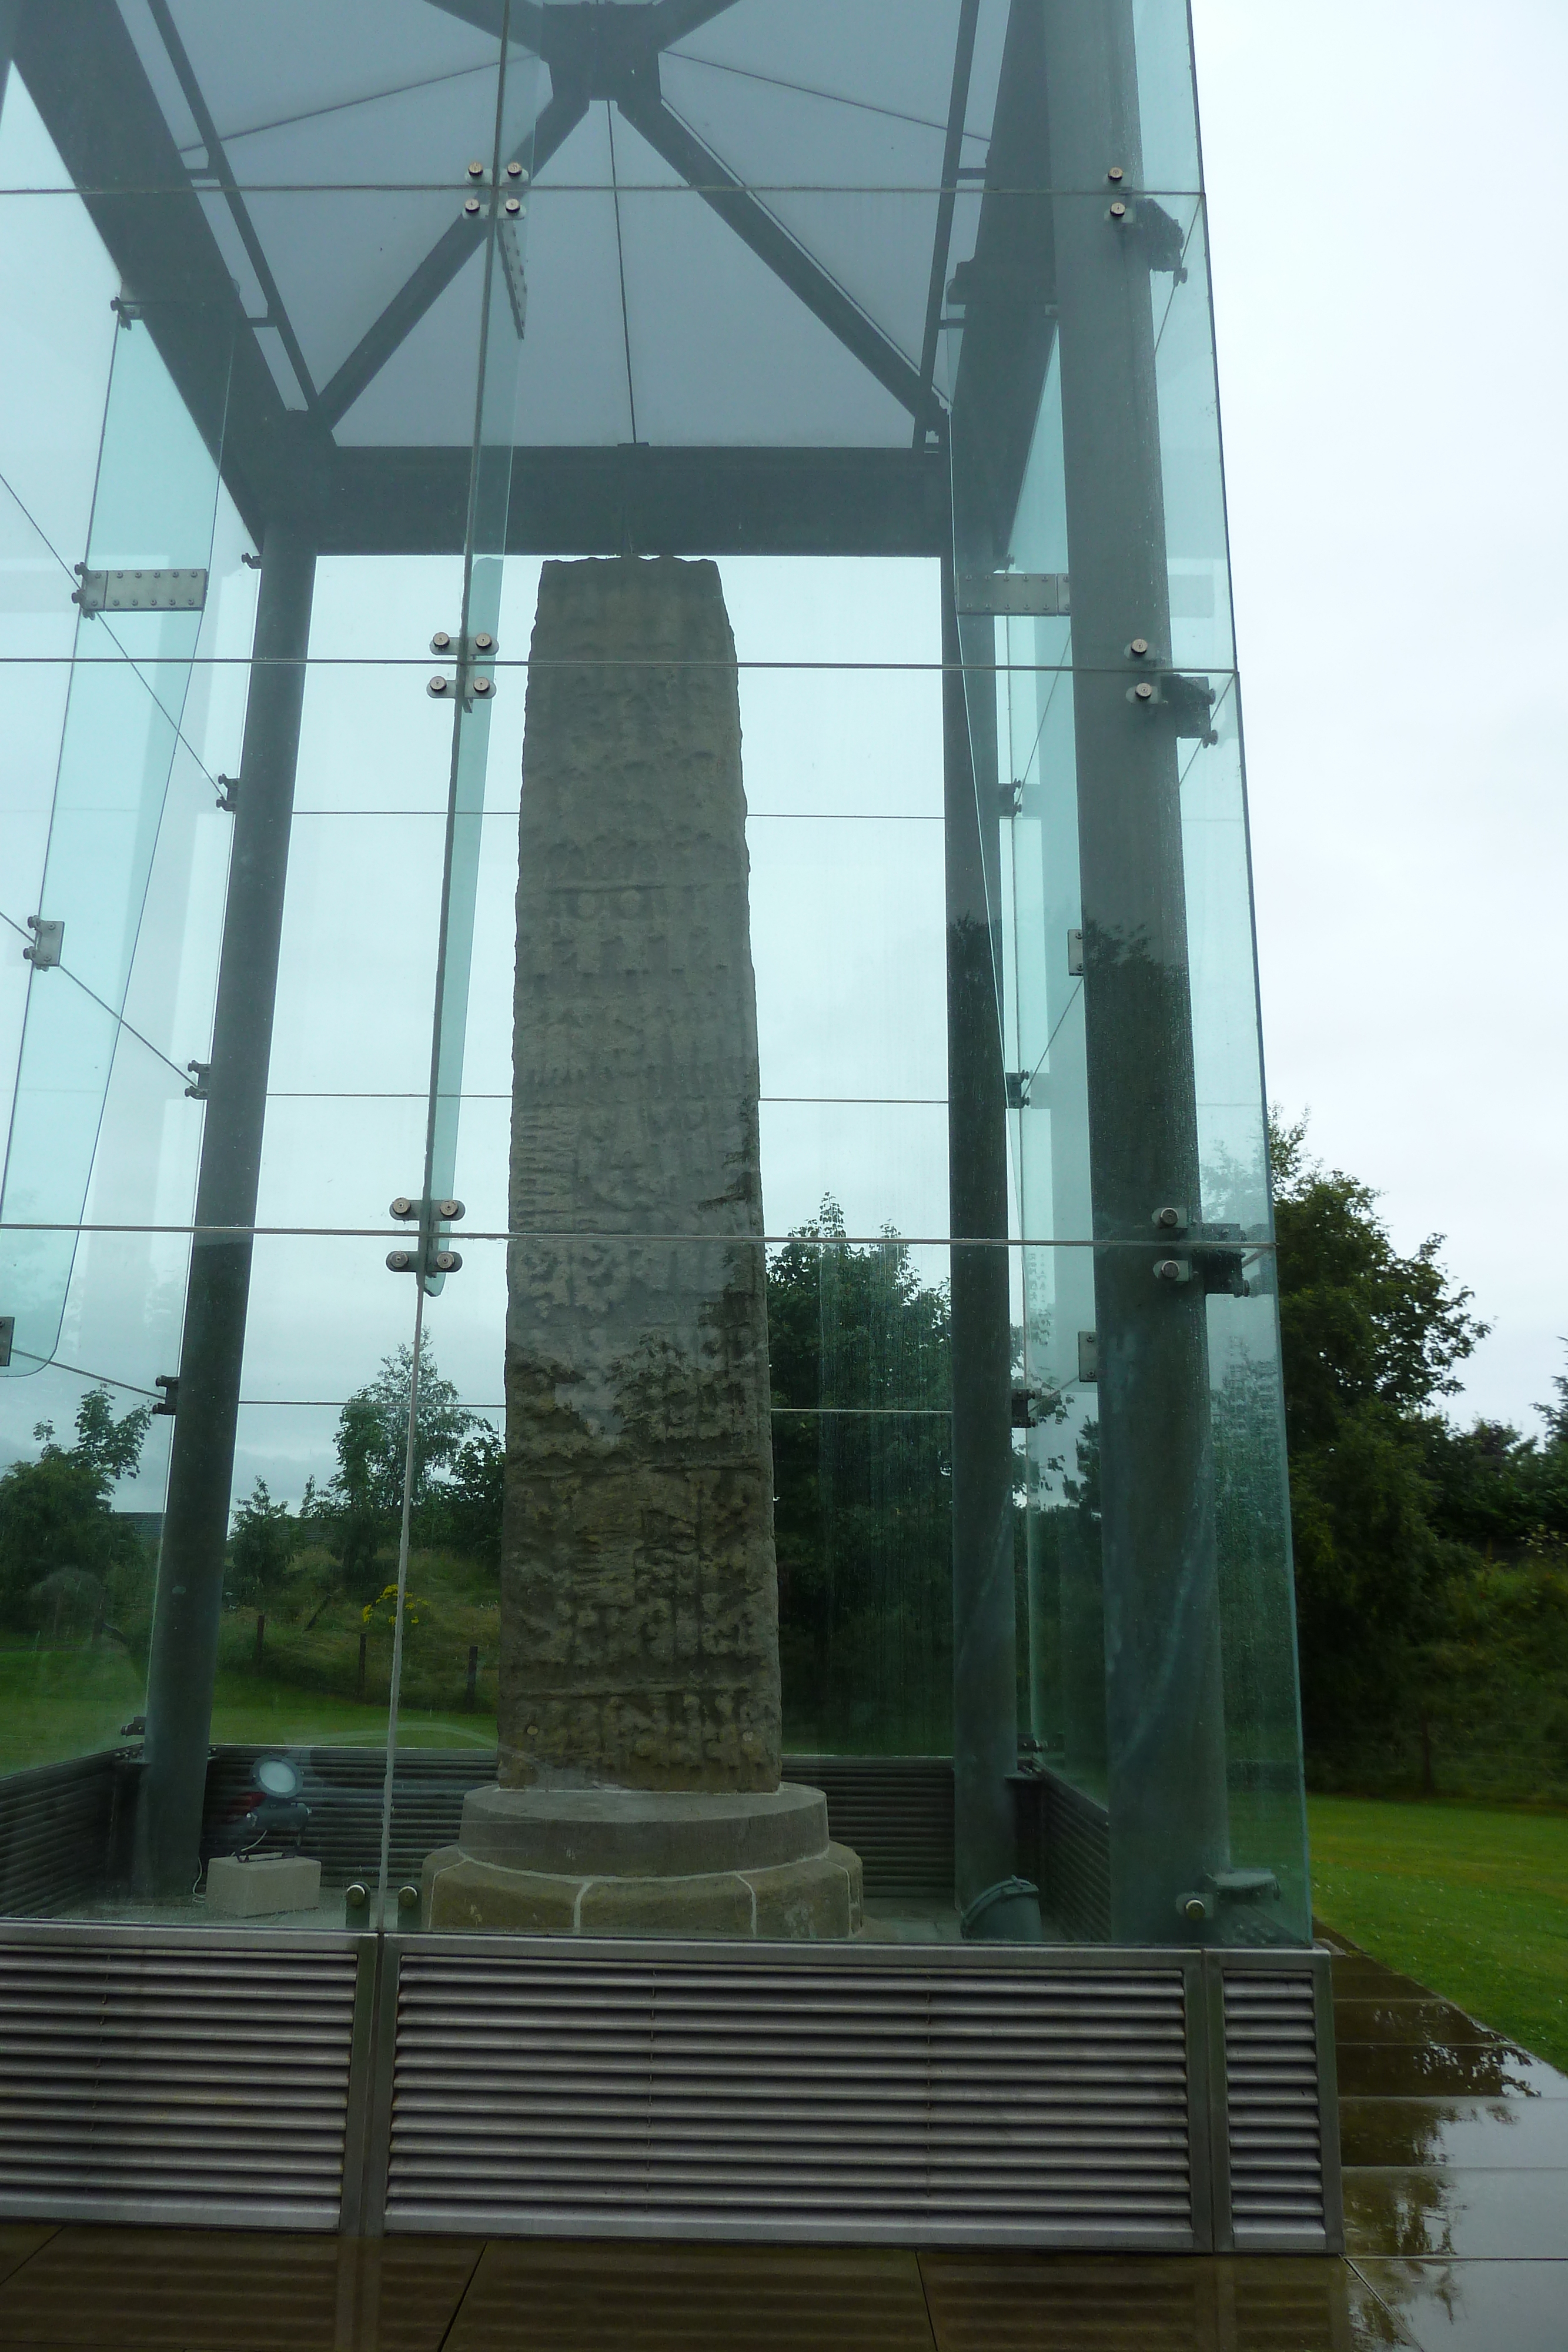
(639, 1715)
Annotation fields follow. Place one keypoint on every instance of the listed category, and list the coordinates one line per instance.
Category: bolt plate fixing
(48, 943)
(142, 592)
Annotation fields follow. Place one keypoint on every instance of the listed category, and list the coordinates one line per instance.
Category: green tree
(56, 1522)
(260, 1548)
(362, 1507)
(1371, 1340)
(860, 1369)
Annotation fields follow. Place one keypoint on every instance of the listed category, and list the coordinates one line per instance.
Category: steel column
(985, 1667)
(184, 1650)
(1164, 1704)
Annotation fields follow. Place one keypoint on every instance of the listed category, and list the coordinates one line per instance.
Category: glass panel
(150, 543)
(1094, 624)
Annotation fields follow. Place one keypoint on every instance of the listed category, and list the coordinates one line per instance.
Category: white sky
(1393, 328)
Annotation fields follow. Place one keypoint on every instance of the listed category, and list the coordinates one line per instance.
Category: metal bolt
(475, 171)
(403, 1206)
(483, 685)
(516, 172)
(1169, 1269)
(1115, 172)
(514, 205)
(1118, 211)
(472, 207)
(399, 1261)
(439, 685)
(1140, 646)
(447, 1262)
(1143, 690)
(1194, 1907)
(356, 1896)
(484, 643)
(449, 1209)
(1169, 1218)
(407, 1898)
(441, 643)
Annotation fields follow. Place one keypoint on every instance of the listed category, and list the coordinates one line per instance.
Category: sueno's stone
(639, 1613)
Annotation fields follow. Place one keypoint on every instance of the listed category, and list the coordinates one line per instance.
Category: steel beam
(184, 1650)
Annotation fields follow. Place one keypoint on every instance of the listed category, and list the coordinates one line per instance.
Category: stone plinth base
(629, 1862)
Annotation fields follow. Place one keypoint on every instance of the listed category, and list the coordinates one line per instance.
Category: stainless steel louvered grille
(914, 2098)
(1274, 2106)
(55, 1824)
(191, 2077)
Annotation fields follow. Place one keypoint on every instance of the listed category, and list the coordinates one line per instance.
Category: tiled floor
(1455, 2148)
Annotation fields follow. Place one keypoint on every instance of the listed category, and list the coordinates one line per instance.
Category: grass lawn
(56, 1703)
(1470, 1899)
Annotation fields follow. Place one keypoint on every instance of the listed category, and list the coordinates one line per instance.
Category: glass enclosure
(636, 1284)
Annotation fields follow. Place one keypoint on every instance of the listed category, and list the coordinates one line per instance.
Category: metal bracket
(1088, 1357)
(1018, 1085)
(48, 943)
(1074, 955)
(426, 1257)
(7, 1334)
(169, 1402)
(1010, 799)
(1186, 702)
(465, 652)
(200, 1073)
(1016, 595)
(141, 591)
(1034, 1406)
(1160, 235)
(228, 793)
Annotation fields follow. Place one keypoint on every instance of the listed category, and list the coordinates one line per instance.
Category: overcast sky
(1383, 178)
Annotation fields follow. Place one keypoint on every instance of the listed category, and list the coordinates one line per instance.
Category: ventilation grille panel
(825, 2100)
(191, 2078)
(54, 1826)
(1272, 2075)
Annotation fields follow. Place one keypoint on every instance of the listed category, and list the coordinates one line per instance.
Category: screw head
(449, 1209)
(1194, 1908)
(1143, 690)
(440, 686)
(514, 205)
(484, 685)
(472, 207)
(1169, 1218)
(408, 1898)
(356, 1896)
(1168, 1270)
(1116, 173)
(441, 643)
(516, 172)
(403, 1206)
(447, 1262)
(476, 170)
(1140, 646)
(1118, 211)
(484, 643)
(399, 1261)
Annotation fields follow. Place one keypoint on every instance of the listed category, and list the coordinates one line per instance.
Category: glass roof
(734, 229)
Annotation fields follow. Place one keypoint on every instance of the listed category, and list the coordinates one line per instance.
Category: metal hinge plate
(141, 591)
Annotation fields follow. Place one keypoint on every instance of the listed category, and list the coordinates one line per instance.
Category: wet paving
(1456, 2152)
